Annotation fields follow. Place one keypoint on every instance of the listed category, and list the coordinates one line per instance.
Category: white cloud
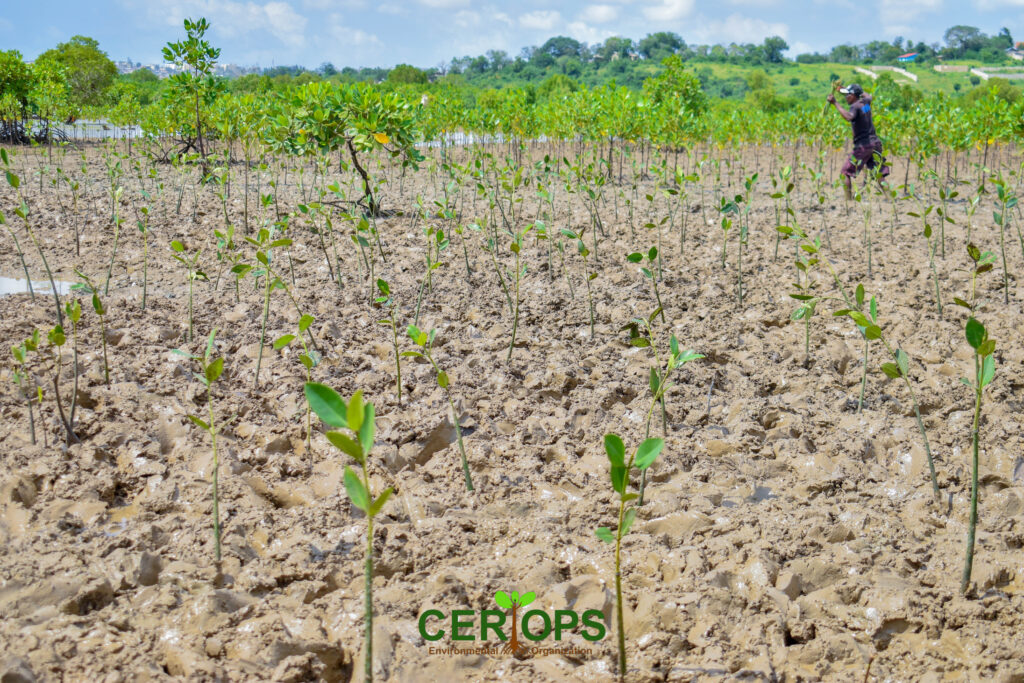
(586, 33)
(229, 18)
(997, 4)
(737, 28)
(599, 14)
(669, 10)
(900, 17)
(541, 20)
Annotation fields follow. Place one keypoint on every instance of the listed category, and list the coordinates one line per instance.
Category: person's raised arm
(848, 115)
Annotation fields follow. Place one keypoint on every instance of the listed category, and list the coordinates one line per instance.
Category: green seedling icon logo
(513, 602)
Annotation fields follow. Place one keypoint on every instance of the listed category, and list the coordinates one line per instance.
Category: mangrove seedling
(641, 335)
(358, 418)
(425, 340)
(73, 309)
(86, 286)
(22, 212)
(587, 273)
(22, 376)
(265, 244)
(648, 272)
(520, 272)
(143, 224)
(386, 301)
(309, 360)
(642, 458)
(117, 221)
(192, 273)
(898, 368)
(1006, 201)
(926, 230)
(57, 339)
(805, 264)
(210, 370)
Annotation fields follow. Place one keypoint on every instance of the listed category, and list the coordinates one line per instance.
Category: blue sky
(427, 32)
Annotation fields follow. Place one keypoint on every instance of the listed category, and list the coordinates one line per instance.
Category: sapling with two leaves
(425, 341)
(358, 417)
(210, 370)
(192, 273)
(86, 286)
(984, 372)
(641, 335)
(899, 367)
(620, 470)
(648, 272)
(57, 339)
(805, 264)
(516, 247)
(265, 243)
(1007, 201)
(309, 360)
(386, 301)
(587, 273)
(22, 376)
(926, 230)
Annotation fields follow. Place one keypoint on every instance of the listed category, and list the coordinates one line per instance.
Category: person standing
(867, 147)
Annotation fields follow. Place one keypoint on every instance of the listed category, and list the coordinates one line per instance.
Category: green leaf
(355, 411)
(304, 322)
(673, 344)
(648, 452)
(327, 404)
(366, 431)
(859, 294)
(57, 336)
(615, 449)
(987, 347)
(378, 504)
(903, 361)
(891, 370)
(214, 370)
(177, 246)
(357, 490)
(654, 381)
(652, 253)
(605, 534)
(635, 257)
(960, 302)
(859, 318)
(442, 379)
(872, 332)
(383, 286)
(988, 370)
(526, 598)
(503, 600)
(627, 521)
(619, 477)
(13, 180)
(346, 445)
(307, 361)
(975, 333)
(199, 423)
(283, 341)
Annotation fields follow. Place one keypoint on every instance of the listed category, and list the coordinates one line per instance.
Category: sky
(426, 33)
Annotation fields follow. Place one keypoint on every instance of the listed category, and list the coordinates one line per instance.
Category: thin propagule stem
(972, 524)
(216, 471)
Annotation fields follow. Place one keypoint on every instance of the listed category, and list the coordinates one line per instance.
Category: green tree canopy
(405, 73)
(89, 70)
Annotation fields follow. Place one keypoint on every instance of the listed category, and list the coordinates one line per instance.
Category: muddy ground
(784, 536)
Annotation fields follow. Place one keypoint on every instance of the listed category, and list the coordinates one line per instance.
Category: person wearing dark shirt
(867, 147)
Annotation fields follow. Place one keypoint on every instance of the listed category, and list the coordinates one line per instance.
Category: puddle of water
(13, 285)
